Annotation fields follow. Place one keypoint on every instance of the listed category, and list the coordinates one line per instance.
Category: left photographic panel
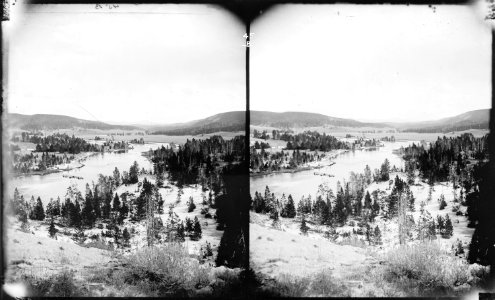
(124, 168)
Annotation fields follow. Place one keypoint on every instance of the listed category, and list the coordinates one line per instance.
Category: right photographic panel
(369, 150)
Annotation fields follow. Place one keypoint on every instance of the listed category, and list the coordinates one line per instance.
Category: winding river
(55, 184)
(306, 182)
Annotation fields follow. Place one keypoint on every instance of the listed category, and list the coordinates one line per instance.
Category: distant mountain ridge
(235, 121)
(303, 119)
(227, 121)
(51, 122)
(475, 119)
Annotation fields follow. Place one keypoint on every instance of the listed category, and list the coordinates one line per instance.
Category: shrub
(442, 202)
(324, 284)
(291, 286)
(457, 248)
(427, 267)
(164, 270)
(59, 285)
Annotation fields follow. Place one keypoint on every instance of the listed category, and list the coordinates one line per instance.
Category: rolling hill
(303, 119)
(49, 122)
(228, 121)
(235, 121)
(475, 119)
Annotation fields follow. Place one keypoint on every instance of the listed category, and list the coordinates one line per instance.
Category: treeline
(137, 141)
(98, 201)
(61, 142)
(276, 134)
(446, 156)
(197, 159)
(327, 208)
(262, 145)
(203, 129)
(313, 140)
(449, 128)
(29, 162)
(366, 142)
(264, 161)
(388, 139)
(25, 136)
(352, 204)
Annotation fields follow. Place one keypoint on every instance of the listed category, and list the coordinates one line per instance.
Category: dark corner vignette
(224, 203)
(481, 206)
(248, 11)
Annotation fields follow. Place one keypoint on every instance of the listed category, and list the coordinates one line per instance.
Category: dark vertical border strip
(3, 259)
(247, 156)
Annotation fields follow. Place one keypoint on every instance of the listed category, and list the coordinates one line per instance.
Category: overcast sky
(382, 63)
(131, 64)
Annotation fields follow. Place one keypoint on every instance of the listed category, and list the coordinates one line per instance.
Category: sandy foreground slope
(275, 252)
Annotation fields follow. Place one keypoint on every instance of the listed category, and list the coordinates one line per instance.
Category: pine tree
(179, 195)
(76, 215)
(124, 211)
(116, 203)
(268, 198)
(375, 210)
(432, 234)
(197, 233)
(96, 202)
(458, 248)
(385, 170)
(171, 225)
(191, 206)
(329, 215)
(159, 201)
(367, 200)
(64, 211)
(16, 202)
(52, 231)
(410, 200)
(117, 236)
(276, 220)
(116, 177)
(126, 237)
(31, 205)
(426, 224)
(410, 173)
(180, 236)
(367, 175)
(49, 208)
(440, 224)
(443, 204)
(377, 236)
(289, 210)
(448, 228)
(38, 211)
(208, 249)
(87, 214)
(23, 218)
(107, 206)
(304, 228)
(430, 193)
(133, 173)
(189, 226)
(339, 208)
(300, 206)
